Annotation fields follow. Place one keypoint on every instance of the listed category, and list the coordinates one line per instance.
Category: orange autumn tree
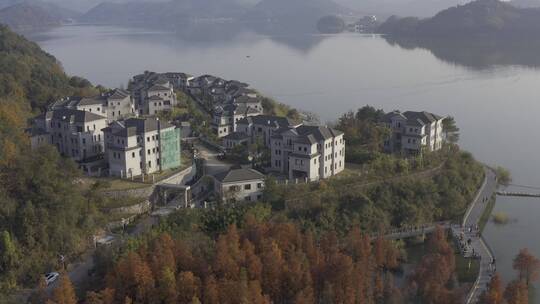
(264, 262)
(435, 270)
(516, 292)
(494, 292)
(527, 265)
(64, 293)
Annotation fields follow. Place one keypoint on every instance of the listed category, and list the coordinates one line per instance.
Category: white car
(51, 277)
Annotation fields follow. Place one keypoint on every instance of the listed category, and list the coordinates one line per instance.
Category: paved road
(212, 165)
(471, 219)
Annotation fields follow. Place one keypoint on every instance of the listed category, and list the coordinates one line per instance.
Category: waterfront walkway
(481, 248)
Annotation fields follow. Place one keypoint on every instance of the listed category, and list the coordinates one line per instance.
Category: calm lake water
(491, 88)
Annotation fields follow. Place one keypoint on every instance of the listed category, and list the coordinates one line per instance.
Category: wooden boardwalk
(519, 194)
(404, 233)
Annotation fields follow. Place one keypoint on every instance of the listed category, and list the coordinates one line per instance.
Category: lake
(490, 87)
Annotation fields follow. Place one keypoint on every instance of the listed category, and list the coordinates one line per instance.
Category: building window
(84, 141)
(133, 154)
(150, 164)
(148, 151)
(148, 139)
(247, 187)
(259, 185)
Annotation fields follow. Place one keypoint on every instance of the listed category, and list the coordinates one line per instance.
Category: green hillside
(481, 17)
(43, 212)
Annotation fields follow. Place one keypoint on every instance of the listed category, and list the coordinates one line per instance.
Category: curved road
(471, 219)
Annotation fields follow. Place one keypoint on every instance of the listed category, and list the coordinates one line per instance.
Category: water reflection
(479, 53)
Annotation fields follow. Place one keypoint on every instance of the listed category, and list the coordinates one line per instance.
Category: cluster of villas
(112, 133)
(297, 151)
(312, 153)
(116, 133)
(227, 100)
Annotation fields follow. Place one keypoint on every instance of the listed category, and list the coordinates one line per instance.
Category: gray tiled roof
(424, 117)
(238, 175)
(96, 100)
(76, 115)
(246, 99)
(158, 88)
(118, 94)
(236, 136)
(318, 132)
(266, 120)
(145, 125)
(127, 132)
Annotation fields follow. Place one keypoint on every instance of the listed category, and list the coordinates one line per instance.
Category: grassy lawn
(110, 203)
(467, 269)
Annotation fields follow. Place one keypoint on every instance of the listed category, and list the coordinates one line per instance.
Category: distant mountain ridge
(289, 14)
(525, 3)
(481, 17)
(29, 15)
(163, 13)
(25, 16)
(385, 8)
(292, 15)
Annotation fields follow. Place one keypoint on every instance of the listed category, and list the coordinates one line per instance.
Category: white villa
(297, 151)
(159, 97)
(75, 133)
(225, 118)
(413, 131)
(141, 146)
(308, 152)
(114, 105)
(239, 184)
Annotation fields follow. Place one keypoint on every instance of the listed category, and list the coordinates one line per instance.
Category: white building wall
(239, 191)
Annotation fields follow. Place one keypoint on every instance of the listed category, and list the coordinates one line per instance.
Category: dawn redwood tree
(64, 293)
(494, 293)
(188, 287)
(210, 291)
(527, 265)
(516, 292)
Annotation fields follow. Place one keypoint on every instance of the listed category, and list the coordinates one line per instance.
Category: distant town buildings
(413, 131)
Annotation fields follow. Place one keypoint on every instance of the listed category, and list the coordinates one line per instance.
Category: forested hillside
(480, 17)
(43, 212)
